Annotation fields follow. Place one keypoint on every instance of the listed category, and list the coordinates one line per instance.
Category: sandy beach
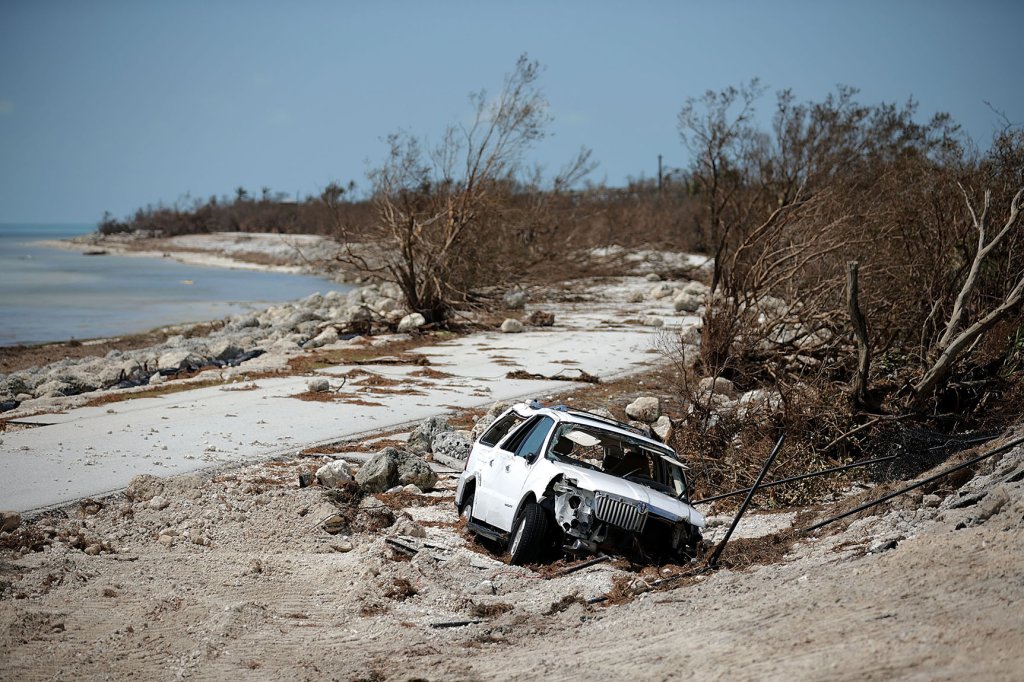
(168, 535)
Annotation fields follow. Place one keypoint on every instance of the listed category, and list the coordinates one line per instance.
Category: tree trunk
(860, 330)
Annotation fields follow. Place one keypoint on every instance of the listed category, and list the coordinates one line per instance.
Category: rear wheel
(467, 507)
(530, 534)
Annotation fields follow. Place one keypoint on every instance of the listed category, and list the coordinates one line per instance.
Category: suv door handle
(508, 467)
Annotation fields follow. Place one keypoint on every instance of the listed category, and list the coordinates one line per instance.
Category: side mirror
(529, 456)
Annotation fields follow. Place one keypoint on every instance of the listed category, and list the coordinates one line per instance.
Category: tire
(529, 536)
(466, 511)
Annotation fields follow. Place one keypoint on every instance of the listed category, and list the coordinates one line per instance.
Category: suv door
(513, 461)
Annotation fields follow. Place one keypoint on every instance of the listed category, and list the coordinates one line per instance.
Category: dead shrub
(492, 610)
(400, 589)
(743, 553)
(565, 602)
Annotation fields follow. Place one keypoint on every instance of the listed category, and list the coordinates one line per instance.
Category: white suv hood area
(657, 503)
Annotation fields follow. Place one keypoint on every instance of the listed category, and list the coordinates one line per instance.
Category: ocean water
(51, 294)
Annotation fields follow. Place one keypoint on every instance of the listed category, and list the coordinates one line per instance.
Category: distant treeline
(646, 211)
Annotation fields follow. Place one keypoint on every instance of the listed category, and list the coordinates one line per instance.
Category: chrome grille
(619, 511)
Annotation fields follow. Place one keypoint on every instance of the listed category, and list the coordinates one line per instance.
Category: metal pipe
(964, 443)
(799, 478)
(713, 560)
(580, 566)
(884, 498)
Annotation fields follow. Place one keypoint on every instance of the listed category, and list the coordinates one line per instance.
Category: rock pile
(315, 321)
(393, 467)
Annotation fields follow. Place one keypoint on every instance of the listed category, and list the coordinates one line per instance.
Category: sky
(112, 105)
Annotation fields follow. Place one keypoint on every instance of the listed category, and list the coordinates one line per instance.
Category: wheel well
(548, 499)
(467, 490)
(529, 497)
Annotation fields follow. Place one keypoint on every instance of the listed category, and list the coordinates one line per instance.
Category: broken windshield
(622, 456)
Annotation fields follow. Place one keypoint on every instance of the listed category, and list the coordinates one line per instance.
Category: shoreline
(291, 374)
(198, 256)
(252, 252)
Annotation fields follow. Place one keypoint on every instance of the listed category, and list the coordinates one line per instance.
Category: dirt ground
(233, 574)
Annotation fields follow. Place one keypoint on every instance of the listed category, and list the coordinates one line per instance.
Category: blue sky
(110, 105)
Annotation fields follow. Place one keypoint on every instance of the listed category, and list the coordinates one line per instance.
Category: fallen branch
(580, 566)
(585, 377)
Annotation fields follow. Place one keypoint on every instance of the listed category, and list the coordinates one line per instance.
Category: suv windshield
(629, 458)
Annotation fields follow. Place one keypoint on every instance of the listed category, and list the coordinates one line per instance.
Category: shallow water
(49, 294)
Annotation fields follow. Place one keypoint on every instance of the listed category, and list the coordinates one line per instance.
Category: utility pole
(659, 174)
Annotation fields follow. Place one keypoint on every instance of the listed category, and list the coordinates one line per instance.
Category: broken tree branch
(860, 330)
(982, 252)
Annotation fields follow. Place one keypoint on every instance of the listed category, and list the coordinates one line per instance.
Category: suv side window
(530, 439)
(498, 429)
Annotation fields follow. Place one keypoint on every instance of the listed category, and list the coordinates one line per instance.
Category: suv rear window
(529, 438)
(501, 427)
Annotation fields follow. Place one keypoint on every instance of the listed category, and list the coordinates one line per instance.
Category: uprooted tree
(464, 213)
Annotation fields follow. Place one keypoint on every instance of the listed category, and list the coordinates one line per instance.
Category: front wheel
(529, 533)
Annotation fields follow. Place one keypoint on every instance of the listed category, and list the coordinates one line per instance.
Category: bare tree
(450, 217)
(956, 339)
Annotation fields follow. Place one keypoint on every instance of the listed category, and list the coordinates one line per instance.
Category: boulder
(411, 322)
(652, 321)
(686, 302)
(515, 299)
(511, 326)
(244, 322)
(143, 488)
(391, 467)
(318, 385)
(653, 277)
(662, 428)
(481, 425)
(158, 503)
(603, 412)
(993, 503)
(9, 521)
(759, 403)
(451, 448)
(324, 338)
(409, 528)
(498, 407)
(645, 409)
(54, 389)
(313, 301)
(695, 288)
(413, 470)
(386, 305)
(177, 360)
(718, 386)
(358, 313)
(636, 297)
(540, 318)
(379, 473)
(642, 428)
(333, 474)
(662, 290)
(300, 317)
(224, 350)
(690, 335)
(422, 437)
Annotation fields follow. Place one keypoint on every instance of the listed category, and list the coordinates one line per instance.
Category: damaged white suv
(542, 477)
